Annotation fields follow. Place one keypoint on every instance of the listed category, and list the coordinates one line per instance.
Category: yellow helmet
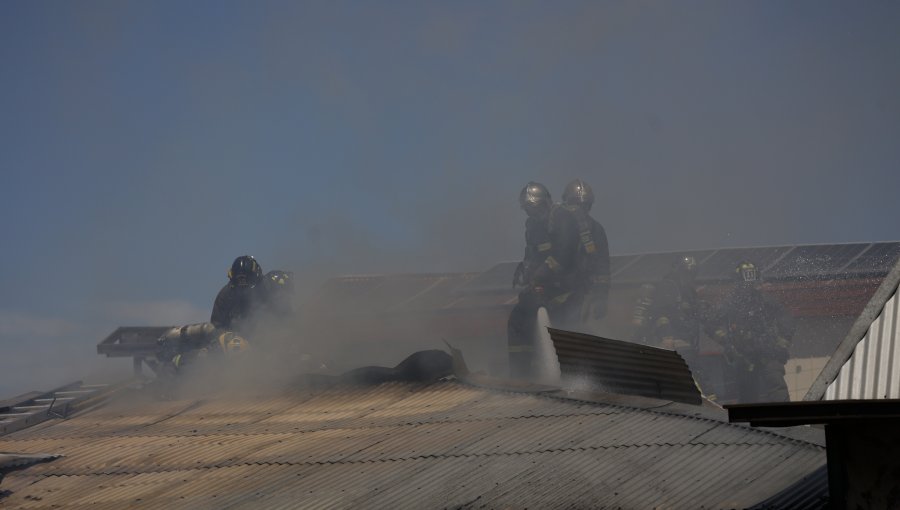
(232, 343)
(747, 272)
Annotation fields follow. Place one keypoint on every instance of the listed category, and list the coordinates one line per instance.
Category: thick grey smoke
(147, 145)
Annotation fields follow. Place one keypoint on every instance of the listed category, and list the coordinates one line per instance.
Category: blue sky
(146, 144)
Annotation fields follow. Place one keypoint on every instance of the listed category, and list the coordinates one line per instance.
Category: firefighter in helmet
(279, 293)
(667, 313)
(545, 273)
(590, 285)
(240, 297)
(755, 332)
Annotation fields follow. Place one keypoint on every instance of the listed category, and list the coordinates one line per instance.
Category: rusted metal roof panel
(403, 445)
(625, 367)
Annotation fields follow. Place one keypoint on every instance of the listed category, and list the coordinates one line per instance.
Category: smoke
(147, 145)
(41, 353)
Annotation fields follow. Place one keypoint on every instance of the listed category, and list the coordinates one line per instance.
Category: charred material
(419, 367)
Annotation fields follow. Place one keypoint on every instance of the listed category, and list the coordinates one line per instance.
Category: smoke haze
(145, 145)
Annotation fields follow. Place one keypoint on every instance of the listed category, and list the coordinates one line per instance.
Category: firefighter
(242, 296)
(590, 288)
(233, 308)
(545, 272)
(667, 313)
(755, 332)
(183, 346)
(279, 293)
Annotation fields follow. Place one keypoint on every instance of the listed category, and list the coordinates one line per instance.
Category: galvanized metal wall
(873, 370)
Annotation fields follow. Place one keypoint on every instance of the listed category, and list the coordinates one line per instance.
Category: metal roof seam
(594, 448)
(326, 428)
(558, 457)
(677, 415)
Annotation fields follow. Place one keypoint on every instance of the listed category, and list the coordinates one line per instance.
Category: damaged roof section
(414, 445)
(625, 367)
(10, 462)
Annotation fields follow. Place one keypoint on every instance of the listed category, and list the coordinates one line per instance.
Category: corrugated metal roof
(873, 370)
(625, 367)
(866, 364)
(809, 493)
(404, 445)
(12, 461)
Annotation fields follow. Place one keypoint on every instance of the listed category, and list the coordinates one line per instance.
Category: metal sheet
(873, 370)
(864, 365)
(625, 367)
(406, 445)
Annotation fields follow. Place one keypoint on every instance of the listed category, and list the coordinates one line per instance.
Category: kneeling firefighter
(182, 346)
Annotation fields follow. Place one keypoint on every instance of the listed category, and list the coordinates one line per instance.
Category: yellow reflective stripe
(521, 348)
(662, 321)
(224, 338)
(544, 246)
(552, 263)
(562, 297)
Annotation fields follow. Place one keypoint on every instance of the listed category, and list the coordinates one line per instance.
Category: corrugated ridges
(404, 445)
(625, 367)
(810, 493)
(873, 370)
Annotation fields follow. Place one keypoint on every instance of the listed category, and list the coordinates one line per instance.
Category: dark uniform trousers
(562, 308)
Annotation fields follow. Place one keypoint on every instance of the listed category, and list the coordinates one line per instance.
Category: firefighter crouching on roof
(546, 272)
(755, 332)
(186, 345)
(236, 302)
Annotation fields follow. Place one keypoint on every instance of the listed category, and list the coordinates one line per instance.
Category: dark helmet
(244, 272)
(687, 264)
(282, 280)
(535, 198)
(747, 272)
(578, 193)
